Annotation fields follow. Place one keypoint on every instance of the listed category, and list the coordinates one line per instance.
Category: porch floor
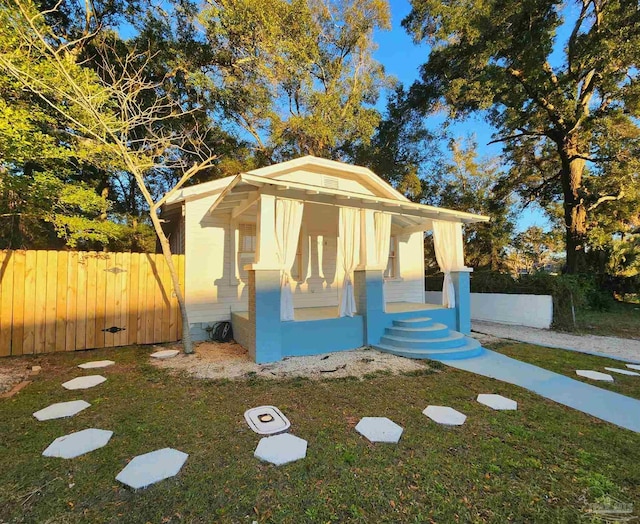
(323, 313)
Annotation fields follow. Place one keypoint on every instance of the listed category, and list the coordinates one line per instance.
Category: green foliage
(298, 76)
(402, 150)
(533, 249)
(567, 111)
(45, 207)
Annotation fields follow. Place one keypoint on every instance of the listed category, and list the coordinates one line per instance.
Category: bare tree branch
(607, 198)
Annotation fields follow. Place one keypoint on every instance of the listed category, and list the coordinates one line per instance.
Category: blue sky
(402, 59)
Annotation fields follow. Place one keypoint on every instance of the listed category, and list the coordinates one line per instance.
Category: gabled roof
(325, 166)
(240, 191)
(245, 190)
(311, 163)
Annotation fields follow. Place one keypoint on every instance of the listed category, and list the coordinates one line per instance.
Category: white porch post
(264, 287)
(368, 255)
(266, 251)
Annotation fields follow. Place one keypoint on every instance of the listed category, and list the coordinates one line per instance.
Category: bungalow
(312, 255)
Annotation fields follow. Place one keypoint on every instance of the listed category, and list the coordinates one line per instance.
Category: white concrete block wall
(520, 310)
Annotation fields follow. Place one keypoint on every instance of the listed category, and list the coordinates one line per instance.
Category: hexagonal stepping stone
(497, 402)
(61, 410)
(624, 372)
(445, 415)
(594, 375)
(153, 467)
(633, 366)
(379, 429)
(281, 449)
(165, 353)
(78, 443)
(96, 364)
(84, 382)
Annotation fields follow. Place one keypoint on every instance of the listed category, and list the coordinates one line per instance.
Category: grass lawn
(622, 320)
(541, 463)
(566, 362)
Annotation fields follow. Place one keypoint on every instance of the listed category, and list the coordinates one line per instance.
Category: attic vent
(330, 182)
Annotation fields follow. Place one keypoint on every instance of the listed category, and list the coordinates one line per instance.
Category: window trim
(242, 235)
(393, 259)
(241, 253)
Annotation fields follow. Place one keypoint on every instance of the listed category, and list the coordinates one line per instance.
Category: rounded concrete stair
(424, 338)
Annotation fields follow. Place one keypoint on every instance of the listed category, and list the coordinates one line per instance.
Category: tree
(56, 186)
(120, 110)
(402, 151)
(297, 76)
(46, 198)
(566, 111)
(533, 249)
(464, 181)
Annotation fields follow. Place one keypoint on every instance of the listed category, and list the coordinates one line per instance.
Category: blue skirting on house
(312, 337)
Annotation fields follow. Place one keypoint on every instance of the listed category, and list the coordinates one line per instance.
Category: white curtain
(288, 222)
(382, 224)
(447, 240)
(349, 238)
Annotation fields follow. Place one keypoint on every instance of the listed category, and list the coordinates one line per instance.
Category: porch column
(370, 302)
(462, 288)
(266, 234)
(368, 257)
(264, 314)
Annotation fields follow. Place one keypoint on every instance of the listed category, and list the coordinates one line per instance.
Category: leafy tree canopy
(566, 109)
(297, 76)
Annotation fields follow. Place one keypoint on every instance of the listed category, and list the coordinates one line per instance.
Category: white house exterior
(335, 235)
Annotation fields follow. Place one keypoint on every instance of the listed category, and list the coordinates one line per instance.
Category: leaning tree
(115, 104)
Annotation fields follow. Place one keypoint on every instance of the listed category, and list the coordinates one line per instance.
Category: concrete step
(452, 340)
(471, 348)
(414, 322)
(436, 330)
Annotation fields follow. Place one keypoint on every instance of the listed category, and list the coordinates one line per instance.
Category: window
(246, 246)
(392, 263)
(247, 238)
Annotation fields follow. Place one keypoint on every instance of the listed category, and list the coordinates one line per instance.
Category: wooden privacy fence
(72, 300)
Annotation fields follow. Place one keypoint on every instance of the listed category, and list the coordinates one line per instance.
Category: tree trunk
(575, 212)
(166, 251)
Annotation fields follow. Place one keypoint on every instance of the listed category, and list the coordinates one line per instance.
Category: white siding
(345, 182)
(410, 286)
(209, 270)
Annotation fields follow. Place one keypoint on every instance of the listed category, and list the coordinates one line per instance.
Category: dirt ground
(12, 372)
(229, 360)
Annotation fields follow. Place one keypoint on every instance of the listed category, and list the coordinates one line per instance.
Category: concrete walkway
(624, 349)
(612, 407)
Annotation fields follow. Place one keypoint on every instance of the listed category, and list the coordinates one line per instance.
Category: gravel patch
(231, 361)
(618, 348)
(12, 374)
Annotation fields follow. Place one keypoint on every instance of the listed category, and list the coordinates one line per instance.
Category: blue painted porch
(407, 329)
